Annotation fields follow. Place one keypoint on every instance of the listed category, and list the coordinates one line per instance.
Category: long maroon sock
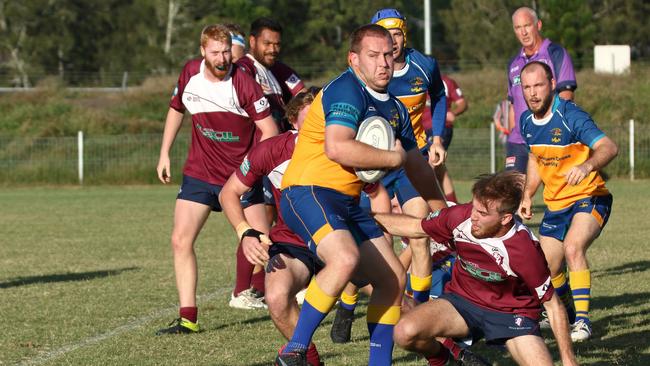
(313, 358)
(440, 359)
(449, 344)
(244, 272)
(257, 281)
(189, 313)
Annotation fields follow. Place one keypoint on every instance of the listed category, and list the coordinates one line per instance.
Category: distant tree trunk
(16, 62)
(173, 8)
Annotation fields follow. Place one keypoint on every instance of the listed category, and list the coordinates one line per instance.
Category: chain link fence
(132, 159)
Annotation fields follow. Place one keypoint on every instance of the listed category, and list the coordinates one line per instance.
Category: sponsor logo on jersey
(514, 69)
(175, 92)
(293, 81)
(541, 289)
(516, 80)
(480, 273)
(394, 118)
(261, 105)
(417, 84)
(497, 256)
(220, 136)
(519, 320)
(245, 166)
(583, 204)
(345, 111)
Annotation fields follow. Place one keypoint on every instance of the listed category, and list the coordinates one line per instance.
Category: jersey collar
(375, 94)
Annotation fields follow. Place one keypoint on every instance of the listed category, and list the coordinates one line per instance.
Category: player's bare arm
(424, 180)
(557, 316)
(172, 126)
(533, 180)
(254, 243)
(604, 151)
(401, 225)
(268, 127)
(341, 147)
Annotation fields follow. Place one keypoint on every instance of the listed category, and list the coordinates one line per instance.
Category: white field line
(137, 323)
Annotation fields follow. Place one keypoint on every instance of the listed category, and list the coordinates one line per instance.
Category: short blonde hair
(215, 32)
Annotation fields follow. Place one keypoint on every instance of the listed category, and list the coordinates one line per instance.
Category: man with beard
(279, 83)
(498, 282)
(227, 106)
(567, 150)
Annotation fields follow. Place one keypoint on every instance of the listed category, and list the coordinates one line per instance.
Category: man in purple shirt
(527, 27)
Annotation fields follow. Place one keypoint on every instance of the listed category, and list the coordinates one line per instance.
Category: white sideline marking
(48, 356)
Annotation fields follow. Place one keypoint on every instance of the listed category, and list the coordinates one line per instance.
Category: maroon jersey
(507, 274)
(223, 119)
(279, 83)
(271, 157)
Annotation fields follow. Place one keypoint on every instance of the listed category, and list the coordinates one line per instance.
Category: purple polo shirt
(551, 54)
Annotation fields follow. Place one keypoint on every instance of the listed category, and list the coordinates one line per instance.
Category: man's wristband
(241, 229)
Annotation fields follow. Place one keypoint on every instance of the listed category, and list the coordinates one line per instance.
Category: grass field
(86, 278)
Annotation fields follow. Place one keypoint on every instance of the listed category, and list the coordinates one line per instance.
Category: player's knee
(405, 333)
(276, 297)
(181, 244)
(572, 252)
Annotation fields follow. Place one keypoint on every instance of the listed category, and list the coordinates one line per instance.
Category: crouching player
(498, 282)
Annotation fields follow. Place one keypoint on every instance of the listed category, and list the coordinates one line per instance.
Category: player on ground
(223, 130)
(567, 151)
(497, 284)
(320, 191)
(527, 27)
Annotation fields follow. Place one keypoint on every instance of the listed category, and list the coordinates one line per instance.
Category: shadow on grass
(627, 268)
(64, 277)
(258, 319)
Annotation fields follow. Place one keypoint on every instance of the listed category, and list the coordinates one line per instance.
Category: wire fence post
(493, 149)
(631, 149)
(125, 78)
(80, 156)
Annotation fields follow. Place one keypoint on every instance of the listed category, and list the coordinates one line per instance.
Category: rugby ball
(377, 132)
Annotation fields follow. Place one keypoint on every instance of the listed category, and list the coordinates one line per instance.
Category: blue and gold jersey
(345, 101)
(559, 142)
(411, 84)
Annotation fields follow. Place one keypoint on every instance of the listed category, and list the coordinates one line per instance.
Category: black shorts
(494, 326)
(197, 190)
(303, 254)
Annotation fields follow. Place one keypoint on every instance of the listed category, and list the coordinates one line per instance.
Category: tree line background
(80, 41)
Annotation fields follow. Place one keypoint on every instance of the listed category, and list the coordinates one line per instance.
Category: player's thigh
(338, 246)
(416, 206)
(189, 217)
(435, 318)
(379, 265)
(554, 252)
(285, 275)
(529, 350)
(583, 231)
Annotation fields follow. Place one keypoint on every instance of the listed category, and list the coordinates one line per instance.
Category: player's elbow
(333, 151)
